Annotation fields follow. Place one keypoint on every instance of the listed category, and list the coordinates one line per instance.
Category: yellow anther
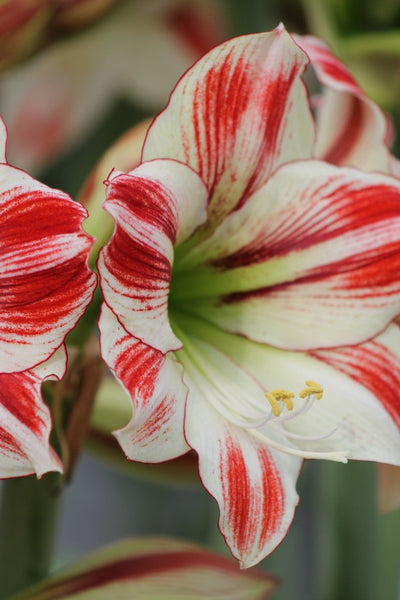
(277, 396)
(312, 388)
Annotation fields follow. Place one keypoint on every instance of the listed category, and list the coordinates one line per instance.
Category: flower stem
(27, 525)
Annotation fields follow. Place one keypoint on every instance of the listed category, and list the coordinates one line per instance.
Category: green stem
(27, 525)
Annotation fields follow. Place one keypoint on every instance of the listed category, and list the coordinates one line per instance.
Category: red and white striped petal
(358, 414)
(351, 128)
(3, 141)
(374, 365)
(236, 115)
(311, 261)
(253, 485)
(154, 382)
(155, 206)
(45, 282)
(26, 422)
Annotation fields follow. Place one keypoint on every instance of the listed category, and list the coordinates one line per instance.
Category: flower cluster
(250, 286)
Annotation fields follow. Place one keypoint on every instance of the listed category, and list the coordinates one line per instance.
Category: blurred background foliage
(340, 547)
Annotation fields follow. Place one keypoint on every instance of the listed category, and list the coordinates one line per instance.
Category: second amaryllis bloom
(249, 287)
(45, 285)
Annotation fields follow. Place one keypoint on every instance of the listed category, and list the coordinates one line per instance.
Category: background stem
(27, 525)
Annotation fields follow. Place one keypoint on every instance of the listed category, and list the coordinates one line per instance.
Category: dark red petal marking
(138, 367)
(154, 383)
(135, 264)
(216, 120)
(246, 504)
(16, 396)
(234, 117)
(328, 67)
(351, 130)
(335, 213)
(9, 445)
(139, 567)
(45, 282)
(372, 365)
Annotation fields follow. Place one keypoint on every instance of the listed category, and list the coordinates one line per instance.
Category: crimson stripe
(37, 214)
(372, 365)
(339, 211)
(38, 304)
(327, 64)
(138, 367)
(8, 444)
(141, 270)
(378, 279)
(352, 130)
(247, 505)
(143, 566)
(18, 392)
(146, 200)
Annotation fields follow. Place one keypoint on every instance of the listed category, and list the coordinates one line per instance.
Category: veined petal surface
(154, 569)
(156, 205)
(358, 414)
(45, 282)
(237, 114)
(26, 422)
(311, 260)
(154, 382)
(351, 128)
(253, 484)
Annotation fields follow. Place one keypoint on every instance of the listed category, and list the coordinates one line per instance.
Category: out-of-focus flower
(249, 287)
(27, 25)
(158, 568)
(367, 38)
(45, 287)
(137, 52)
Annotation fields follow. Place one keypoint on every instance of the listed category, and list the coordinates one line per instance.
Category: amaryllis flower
(248, 290)
(45, 287)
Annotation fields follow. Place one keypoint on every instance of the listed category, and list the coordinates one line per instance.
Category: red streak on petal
(230, 90)
(345, 209)
(352, 130)
(146, 200)
(138, 368)
(139, 567)
(254, 509)
(273, 495)
(327, 65)
(18, 394)
(372, 365)
(8, 444)
(155, 423)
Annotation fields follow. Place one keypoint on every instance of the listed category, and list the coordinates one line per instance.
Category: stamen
(277, 396)
(338, 455)
(312, 389)
(306, 438)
